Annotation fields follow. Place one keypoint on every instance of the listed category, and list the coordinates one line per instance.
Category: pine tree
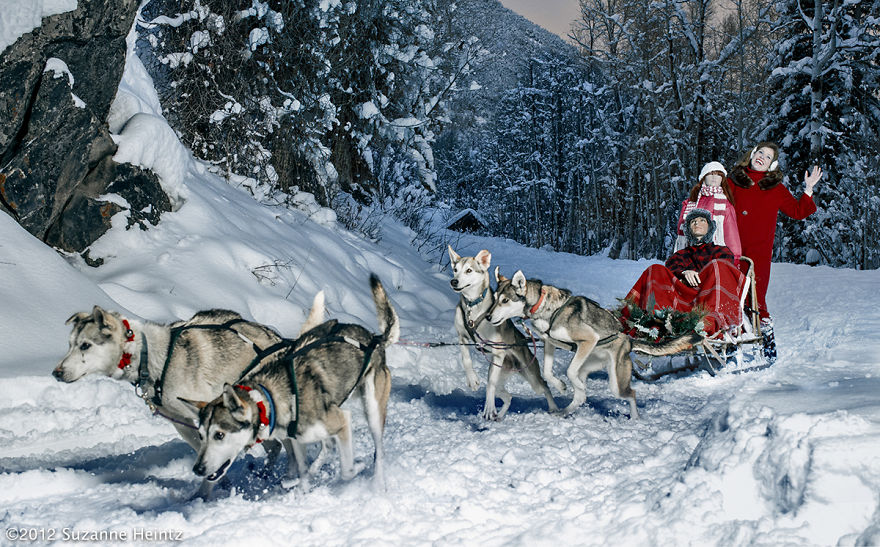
(824, 110)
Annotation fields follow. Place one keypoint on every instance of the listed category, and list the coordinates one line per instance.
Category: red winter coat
(756, 216)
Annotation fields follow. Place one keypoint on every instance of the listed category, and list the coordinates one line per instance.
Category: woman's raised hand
(810, 179)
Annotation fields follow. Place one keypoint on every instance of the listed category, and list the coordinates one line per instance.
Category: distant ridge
(510, 42)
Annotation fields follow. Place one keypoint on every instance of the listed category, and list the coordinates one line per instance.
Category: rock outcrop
(56, 87)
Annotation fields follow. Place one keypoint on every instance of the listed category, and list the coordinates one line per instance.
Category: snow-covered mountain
(509, 42)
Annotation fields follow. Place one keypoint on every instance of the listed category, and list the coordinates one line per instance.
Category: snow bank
(26, 15)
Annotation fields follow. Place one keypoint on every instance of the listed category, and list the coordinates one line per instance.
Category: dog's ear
(234, 403)
(98, 315)
(498, 277)
(453, 256)
(230, 398)
(519, 282)
(102, 319)
(77, 317)
(484, 257)
(196, 405)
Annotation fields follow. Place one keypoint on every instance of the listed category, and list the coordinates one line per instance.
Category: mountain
(509, 43)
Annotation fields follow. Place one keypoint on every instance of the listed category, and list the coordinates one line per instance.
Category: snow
(258, 37)
(18, 17)
(781, 456)
(59, 69)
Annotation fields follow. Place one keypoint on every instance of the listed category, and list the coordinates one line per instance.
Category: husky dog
(191, 359)
(578, 323)
(509, 348)
(295, 396)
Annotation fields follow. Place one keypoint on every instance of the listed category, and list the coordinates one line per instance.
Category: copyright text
(41, 535)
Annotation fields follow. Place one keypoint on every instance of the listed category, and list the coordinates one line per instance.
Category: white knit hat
(712, 166)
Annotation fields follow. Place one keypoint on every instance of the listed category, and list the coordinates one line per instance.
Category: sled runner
(723, 350)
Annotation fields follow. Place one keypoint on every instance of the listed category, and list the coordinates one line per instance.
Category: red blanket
(718, 294)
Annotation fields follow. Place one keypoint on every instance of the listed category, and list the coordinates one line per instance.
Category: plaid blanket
(718, 294)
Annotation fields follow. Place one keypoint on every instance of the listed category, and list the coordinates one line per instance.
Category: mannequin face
(762, 158)
(713, 179)
(699, 226)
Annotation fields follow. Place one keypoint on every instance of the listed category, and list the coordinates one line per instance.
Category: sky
(554, 15)
(782, 456)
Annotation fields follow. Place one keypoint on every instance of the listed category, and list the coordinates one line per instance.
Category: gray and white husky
(190, 359)
(296, 395)
(508, 347)
(578, 323)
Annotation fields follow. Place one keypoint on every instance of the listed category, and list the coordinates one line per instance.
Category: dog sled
(735, 349)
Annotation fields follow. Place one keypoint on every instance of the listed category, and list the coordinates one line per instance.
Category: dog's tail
(389, 323)
(316, 314)
(682, 343)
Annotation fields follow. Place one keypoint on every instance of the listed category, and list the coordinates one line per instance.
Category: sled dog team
(243, 384)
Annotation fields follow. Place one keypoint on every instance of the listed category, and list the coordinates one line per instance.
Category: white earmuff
(773, 166)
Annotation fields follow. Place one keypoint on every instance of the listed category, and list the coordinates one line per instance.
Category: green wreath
(659, 325)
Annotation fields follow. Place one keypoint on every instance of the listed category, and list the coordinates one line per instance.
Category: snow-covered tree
(825, 110)
(313, 94)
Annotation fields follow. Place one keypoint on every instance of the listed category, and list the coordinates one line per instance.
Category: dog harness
(143, 377)
(470, 324)
(159, 385)
(332, 336)
(572, 347)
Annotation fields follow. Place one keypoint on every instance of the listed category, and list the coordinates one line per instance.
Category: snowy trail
(439, 454)
(784, 455)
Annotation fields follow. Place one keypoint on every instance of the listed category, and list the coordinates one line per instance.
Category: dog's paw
(559, 385)
(473, 383)
(490, 414)
(356, 468)
(569, 410)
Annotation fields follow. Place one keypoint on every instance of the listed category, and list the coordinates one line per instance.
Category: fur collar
(740, 177)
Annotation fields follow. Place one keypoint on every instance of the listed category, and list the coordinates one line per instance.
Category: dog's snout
(199, 469)
(454, 282)
(58, 374)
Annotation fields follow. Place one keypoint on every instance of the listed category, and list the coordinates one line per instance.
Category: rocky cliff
(57, 83)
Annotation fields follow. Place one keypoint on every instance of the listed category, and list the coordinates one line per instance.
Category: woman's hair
(694, 194)
(771, 179)
(746, 159)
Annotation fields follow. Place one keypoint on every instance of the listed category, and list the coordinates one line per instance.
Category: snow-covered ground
(787, 455)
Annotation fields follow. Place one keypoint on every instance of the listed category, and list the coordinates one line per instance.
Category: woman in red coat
(758, 195)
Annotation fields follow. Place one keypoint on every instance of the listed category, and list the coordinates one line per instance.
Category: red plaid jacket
(695, 257)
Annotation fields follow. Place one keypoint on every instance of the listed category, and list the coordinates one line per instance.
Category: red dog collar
(125, 360)
(264, 416)
(540, 301)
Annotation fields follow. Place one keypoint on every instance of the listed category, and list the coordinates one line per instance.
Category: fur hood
(740, 178)
(687, 227)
